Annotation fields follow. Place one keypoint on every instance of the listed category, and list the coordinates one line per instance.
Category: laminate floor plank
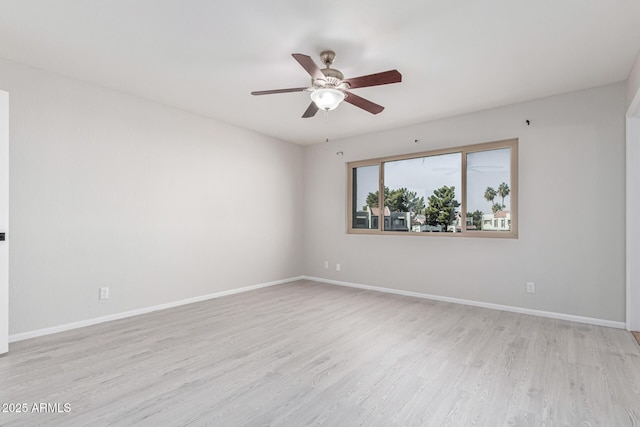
(306, 353)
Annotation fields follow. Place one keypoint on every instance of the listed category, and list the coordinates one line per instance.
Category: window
(463, 191)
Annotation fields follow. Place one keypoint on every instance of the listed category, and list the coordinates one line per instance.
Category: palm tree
(503, 191)
(490, 194)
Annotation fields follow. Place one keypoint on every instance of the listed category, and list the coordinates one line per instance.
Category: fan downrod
(333, 76)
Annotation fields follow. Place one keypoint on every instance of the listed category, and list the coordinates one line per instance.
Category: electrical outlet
(326, 264)
(104, 293)
(337, 267)
(531, 288)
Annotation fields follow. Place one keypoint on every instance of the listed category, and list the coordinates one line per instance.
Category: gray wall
(161, 205)
(633, 197)
(572, 211)
(633, 82)
(158, 204)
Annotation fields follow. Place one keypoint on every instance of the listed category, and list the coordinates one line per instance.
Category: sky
(426, 174)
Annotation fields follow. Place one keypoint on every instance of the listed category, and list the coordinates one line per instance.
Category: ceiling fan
(329, 87)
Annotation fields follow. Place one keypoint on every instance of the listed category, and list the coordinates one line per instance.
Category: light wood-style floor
(306, 353)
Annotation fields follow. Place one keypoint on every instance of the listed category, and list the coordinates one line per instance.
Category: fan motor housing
(332, 73)
(331, 81)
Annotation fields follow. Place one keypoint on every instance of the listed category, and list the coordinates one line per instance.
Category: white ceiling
(206, 56)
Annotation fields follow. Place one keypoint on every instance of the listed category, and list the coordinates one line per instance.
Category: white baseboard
(540, 313)
(117, 316)
(123, 315)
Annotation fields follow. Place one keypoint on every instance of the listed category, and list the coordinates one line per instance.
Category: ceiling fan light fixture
(327, 98)
(329, 87)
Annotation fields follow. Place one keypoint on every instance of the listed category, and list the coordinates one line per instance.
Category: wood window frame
(512, 144)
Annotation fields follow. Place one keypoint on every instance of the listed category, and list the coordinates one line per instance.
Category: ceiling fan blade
(311, 110)
(365, 104)
(269, 92)
(384, 78)
(308, 64)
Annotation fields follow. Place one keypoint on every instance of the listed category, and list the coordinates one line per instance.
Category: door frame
(4, 221)
(632, 209)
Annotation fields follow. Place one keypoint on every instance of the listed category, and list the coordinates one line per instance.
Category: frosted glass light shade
(327, 99)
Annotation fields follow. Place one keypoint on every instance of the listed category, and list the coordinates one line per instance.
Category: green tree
(442, 207)
(503, 191)
(416, 204)
(497, 207)
(477, 218)
(490, 194)
(372, 198)
(399, 200)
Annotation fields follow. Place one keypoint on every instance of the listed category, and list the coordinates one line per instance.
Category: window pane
(423, 194)
(365, 197)
(488, 190)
